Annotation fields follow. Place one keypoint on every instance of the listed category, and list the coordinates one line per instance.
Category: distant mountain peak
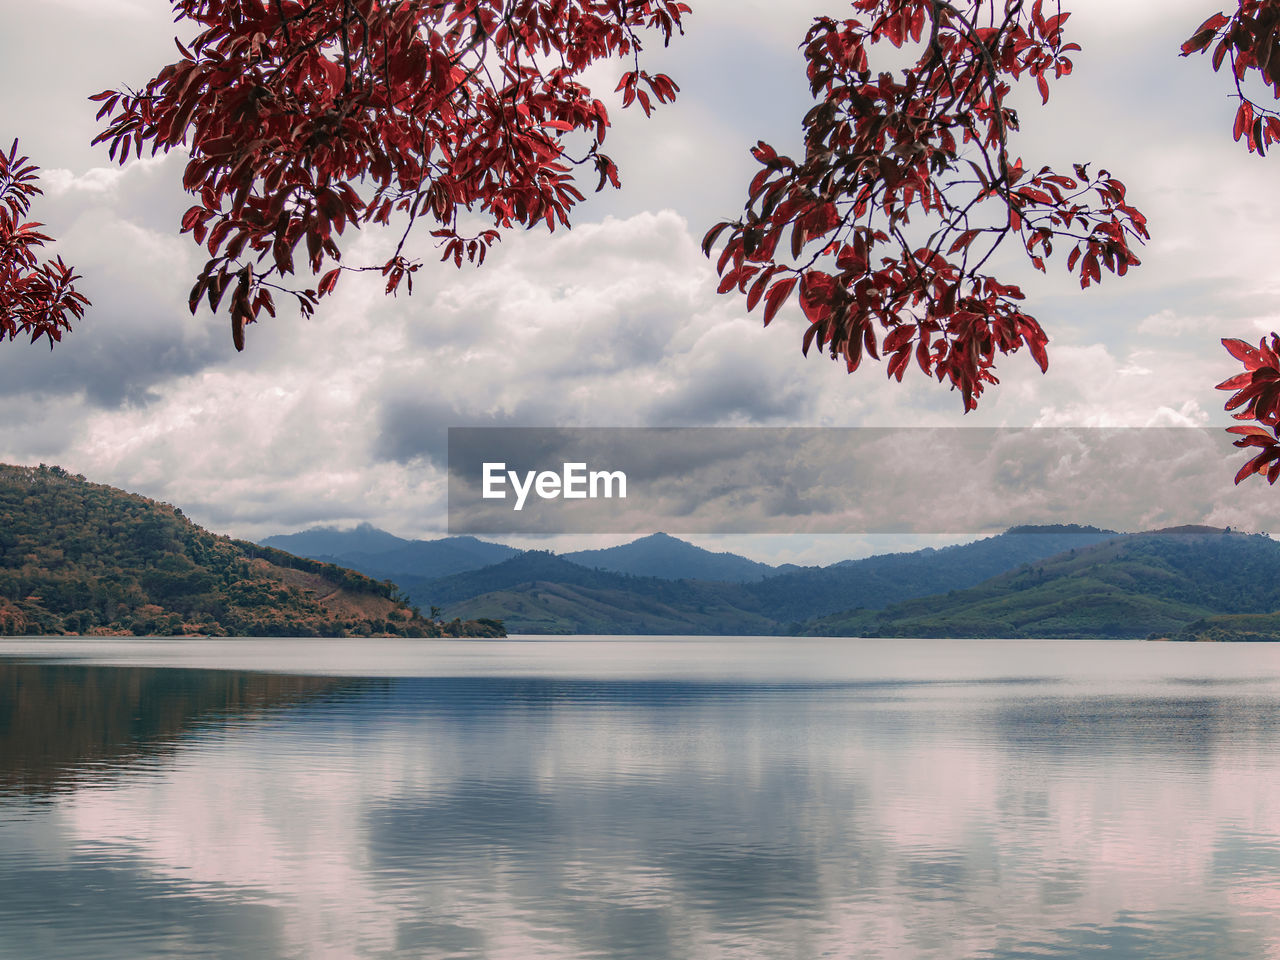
(333, 541)
(383, 555)
(670, 558)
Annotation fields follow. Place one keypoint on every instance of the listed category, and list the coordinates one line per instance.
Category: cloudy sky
(339, 419)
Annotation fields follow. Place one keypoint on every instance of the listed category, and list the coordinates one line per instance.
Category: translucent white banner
(509, 480)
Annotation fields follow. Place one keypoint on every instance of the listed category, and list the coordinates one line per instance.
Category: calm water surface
(646, 799)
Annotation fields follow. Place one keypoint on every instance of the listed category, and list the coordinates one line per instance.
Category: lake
(638, 798)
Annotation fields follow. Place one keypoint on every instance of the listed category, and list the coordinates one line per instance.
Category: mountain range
(380, 554)
(1067, 580)
(1194, 583)
(80, 557)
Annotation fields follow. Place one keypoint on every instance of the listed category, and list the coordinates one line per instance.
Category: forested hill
(80, 557)
(1188, 583)
(1175, 583)
(874, 582)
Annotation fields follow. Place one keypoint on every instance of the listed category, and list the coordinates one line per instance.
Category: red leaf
(758, 287)
(777, 296)
(1258, 463)
(1244, 352)
(922, 356)
(1219, 54)
(898, 363)
(899, 337)
(328, 282)
(1198, 41)
(1236, 382)
(808, 337)
(1036, 345)
(1216, 22)
(1244, 120)
(192, 217)
(709, 240)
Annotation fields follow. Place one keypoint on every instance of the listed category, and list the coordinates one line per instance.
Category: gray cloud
(418, 429)
(119, 361)
(718, 390)
(138, 332)
(616, 322)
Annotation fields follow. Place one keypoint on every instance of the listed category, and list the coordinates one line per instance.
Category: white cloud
(610, 324)
(98, 180)
(616, 322)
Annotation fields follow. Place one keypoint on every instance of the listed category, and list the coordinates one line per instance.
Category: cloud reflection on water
(496, 818)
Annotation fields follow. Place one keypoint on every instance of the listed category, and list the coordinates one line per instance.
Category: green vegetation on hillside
(1132, 586)
(1039, 581)
(1231, 628)
(1031, 582)
(539, 592)
(877, 581)
(600, 601)
(542, 606)
(84, 558)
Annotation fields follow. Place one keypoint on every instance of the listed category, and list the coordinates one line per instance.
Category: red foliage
(304, 118)
(933, 142)
(1257, 397)
(35, 298)
(1250, 40)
